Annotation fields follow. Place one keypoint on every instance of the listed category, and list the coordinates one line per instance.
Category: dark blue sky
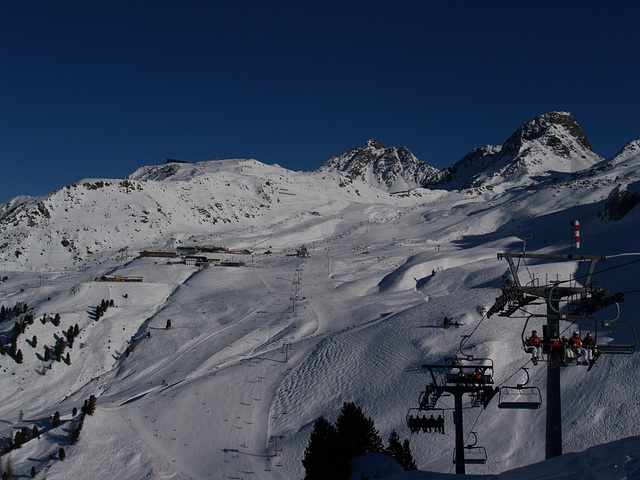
(100, 88)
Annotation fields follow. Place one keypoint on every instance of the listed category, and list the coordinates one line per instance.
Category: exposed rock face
(557, 130)
(619, 204)
(388, 168)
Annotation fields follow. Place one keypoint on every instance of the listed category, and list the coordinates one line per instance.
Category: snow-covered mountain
(391, 169)
(542, 149)
(256, 354)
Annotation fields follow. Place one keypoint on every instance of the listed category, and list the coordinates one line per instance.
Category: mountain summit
(389, 168)
(544, 147)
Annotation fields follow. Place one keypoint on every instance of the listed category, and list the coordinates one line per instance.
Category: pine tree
(56, 419)
(35, 433)
(34, 341)
(76, 330)
(18, 441)
(19, 356)
(68, 359)
(356, 433)
(33, 472)
(168, 326)
(322, 459)
(408, 463)
(47, 354)
(394, 449)
(91, 406)
(61, 454)
(74, 435)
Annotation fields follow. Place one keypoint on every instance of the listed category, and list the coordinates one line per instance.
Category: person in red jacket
(575, 343)
(534, 346)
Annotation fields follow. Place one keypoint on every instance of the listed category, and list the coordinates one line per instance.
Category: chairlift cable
(464, 342)
(601, 271)
(514, 373)
(631, 291)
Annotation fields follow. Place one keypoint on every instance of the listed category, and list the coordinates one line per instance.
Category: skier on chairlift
(590, 345)
(534, 346)
(575, 342)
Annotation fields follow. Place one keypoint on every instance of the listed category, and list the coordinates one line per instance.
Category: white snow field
(257, 353)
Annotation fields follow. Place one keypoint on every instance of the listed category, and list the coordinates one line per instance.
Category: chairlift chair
(520, 396)
(612, 338)
(466, 366)
(473, 455)
(417, 423)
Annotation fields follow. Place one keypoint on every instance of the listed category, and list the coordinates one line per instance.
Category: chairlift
(520, 396)
(612, 338)
(473, 455)
(463, 371)
(432, 424)
(525, 335)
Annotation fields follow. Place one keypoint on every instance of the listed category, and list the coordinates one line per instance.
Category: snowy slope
(255, 354)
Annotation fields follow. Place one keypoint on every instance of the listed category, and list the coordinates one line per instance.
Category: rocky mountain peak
(556, 130)
(389, 168)
(550, 145)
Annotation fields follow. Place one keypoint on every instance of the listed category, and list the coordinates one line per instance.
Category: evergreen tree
(47, 354)
(56, 320)
(394, 449)
(33, 472)
(18, 441)
(322, 459)
(74, 435)
(19, 356)
(61, 454)
(35, 433)
(68, 359)
(56, 419)
(356, 433)
(34, 341)
(76, 330)
(2, 349)
(408, 463)
(168, 326)
(91, 406)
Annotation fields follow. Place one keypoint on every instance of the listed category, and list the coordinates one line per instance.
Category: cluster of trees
(102, 308)
(18, 328)
(25, 434)
(20, 438)
(7, 313)
(58, 349)
(332, 446)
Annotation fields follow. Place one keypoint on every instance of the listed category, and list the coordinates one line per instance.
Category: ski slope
(256, 354)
